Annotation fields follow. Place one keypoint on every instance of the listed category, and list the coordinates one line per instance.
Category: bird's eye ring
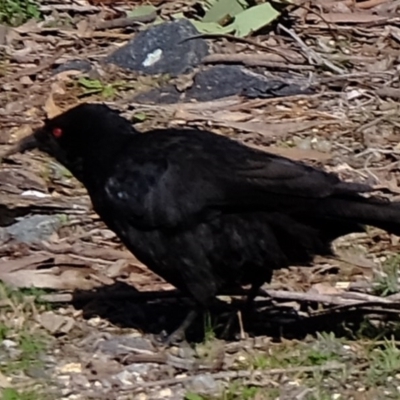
(57, 132)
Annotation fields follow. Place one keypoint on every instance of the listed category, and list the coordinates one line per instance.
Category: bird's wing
(156, 193)
(164, 192)
(262, 174)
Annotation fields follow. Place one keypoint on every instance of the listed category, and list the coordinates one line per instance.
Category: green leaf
(223, 9)
(90, 83)
(91, 91)
(139, 117)
(212, 27)
(108, 91)
(142, 11)
(178, 15)
(193, 396)
(254, 18)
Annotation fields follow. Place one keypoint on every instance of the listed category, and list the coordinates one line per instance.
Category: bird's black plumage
(203, 211)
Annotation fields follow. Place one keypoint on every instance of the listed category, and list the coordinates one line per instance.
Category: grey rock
(80, 380)
(138, 370)
(124, 345)
(186, 352)
(125, 378)
(160, 50)
(34, 228)
(223, 81)
(204, 384)
(37, 372)
(74, 65)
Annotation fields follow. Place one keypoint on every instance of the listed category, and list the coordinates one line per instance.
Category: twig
(283, 295)
(163, 358)
(346, 298)
(126, 21)
(393, 93)
(69, 7)
(378, 151)
(279, 52)
(253, 60)
(227, 375)
(356, 76)
(41, 67)
(311, 54)
(111, 295)
(364, 5)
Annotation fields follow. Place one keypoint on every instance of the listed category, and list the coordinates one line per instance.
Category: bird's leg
(248, 309)
(251, 295)
(254, 291)
(179, 333)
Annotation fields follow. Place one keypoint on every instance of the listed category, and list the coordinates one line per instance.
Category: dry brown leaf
(3, 34)
(15, 180)
(29, 27)
(139, 278)
(235, 119)
(55, 323)
(4, 381)
(367, 4)
(66, 75)
(234, 116)
(323, 288)
(30, 262)
(357, 17)
(103, 367)
(51, 278)
(354, 258)
(296, 154)
(274, 129)
(50, 108)
(104, 253)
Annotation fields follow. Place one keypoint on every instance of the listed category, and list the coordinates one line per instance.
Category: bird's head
(87, 133)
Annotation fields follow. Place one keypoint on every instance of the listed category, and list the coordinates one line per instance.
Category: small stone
(64, 378)
(141, 396)
(8, 343)
(160, 50)
(204, 384)
(305, 144)
(70, 368)
(125, 377)
(165, 393)
(186, 352)
(25, 80)
(137, 370)
(81, 380)
(324, 146)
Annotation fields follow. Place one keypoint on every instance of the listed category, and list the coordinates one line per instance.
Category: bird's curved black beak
(27, 143)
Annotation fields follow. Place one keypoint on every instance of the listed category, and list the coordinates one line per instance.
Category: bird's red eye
(57, 132)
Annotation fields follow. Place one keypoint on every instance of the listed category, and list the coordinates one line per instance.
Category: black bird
(205, 212)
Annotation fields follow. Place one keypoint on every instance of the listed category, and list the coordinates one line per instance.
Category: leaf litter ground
(85, 330)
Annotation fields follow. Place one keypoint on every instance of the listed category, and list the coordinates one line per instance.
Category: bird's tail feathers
(362, 210)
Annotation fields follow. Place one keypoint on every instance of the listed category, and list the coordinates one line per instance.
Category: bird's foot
(178, 335)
